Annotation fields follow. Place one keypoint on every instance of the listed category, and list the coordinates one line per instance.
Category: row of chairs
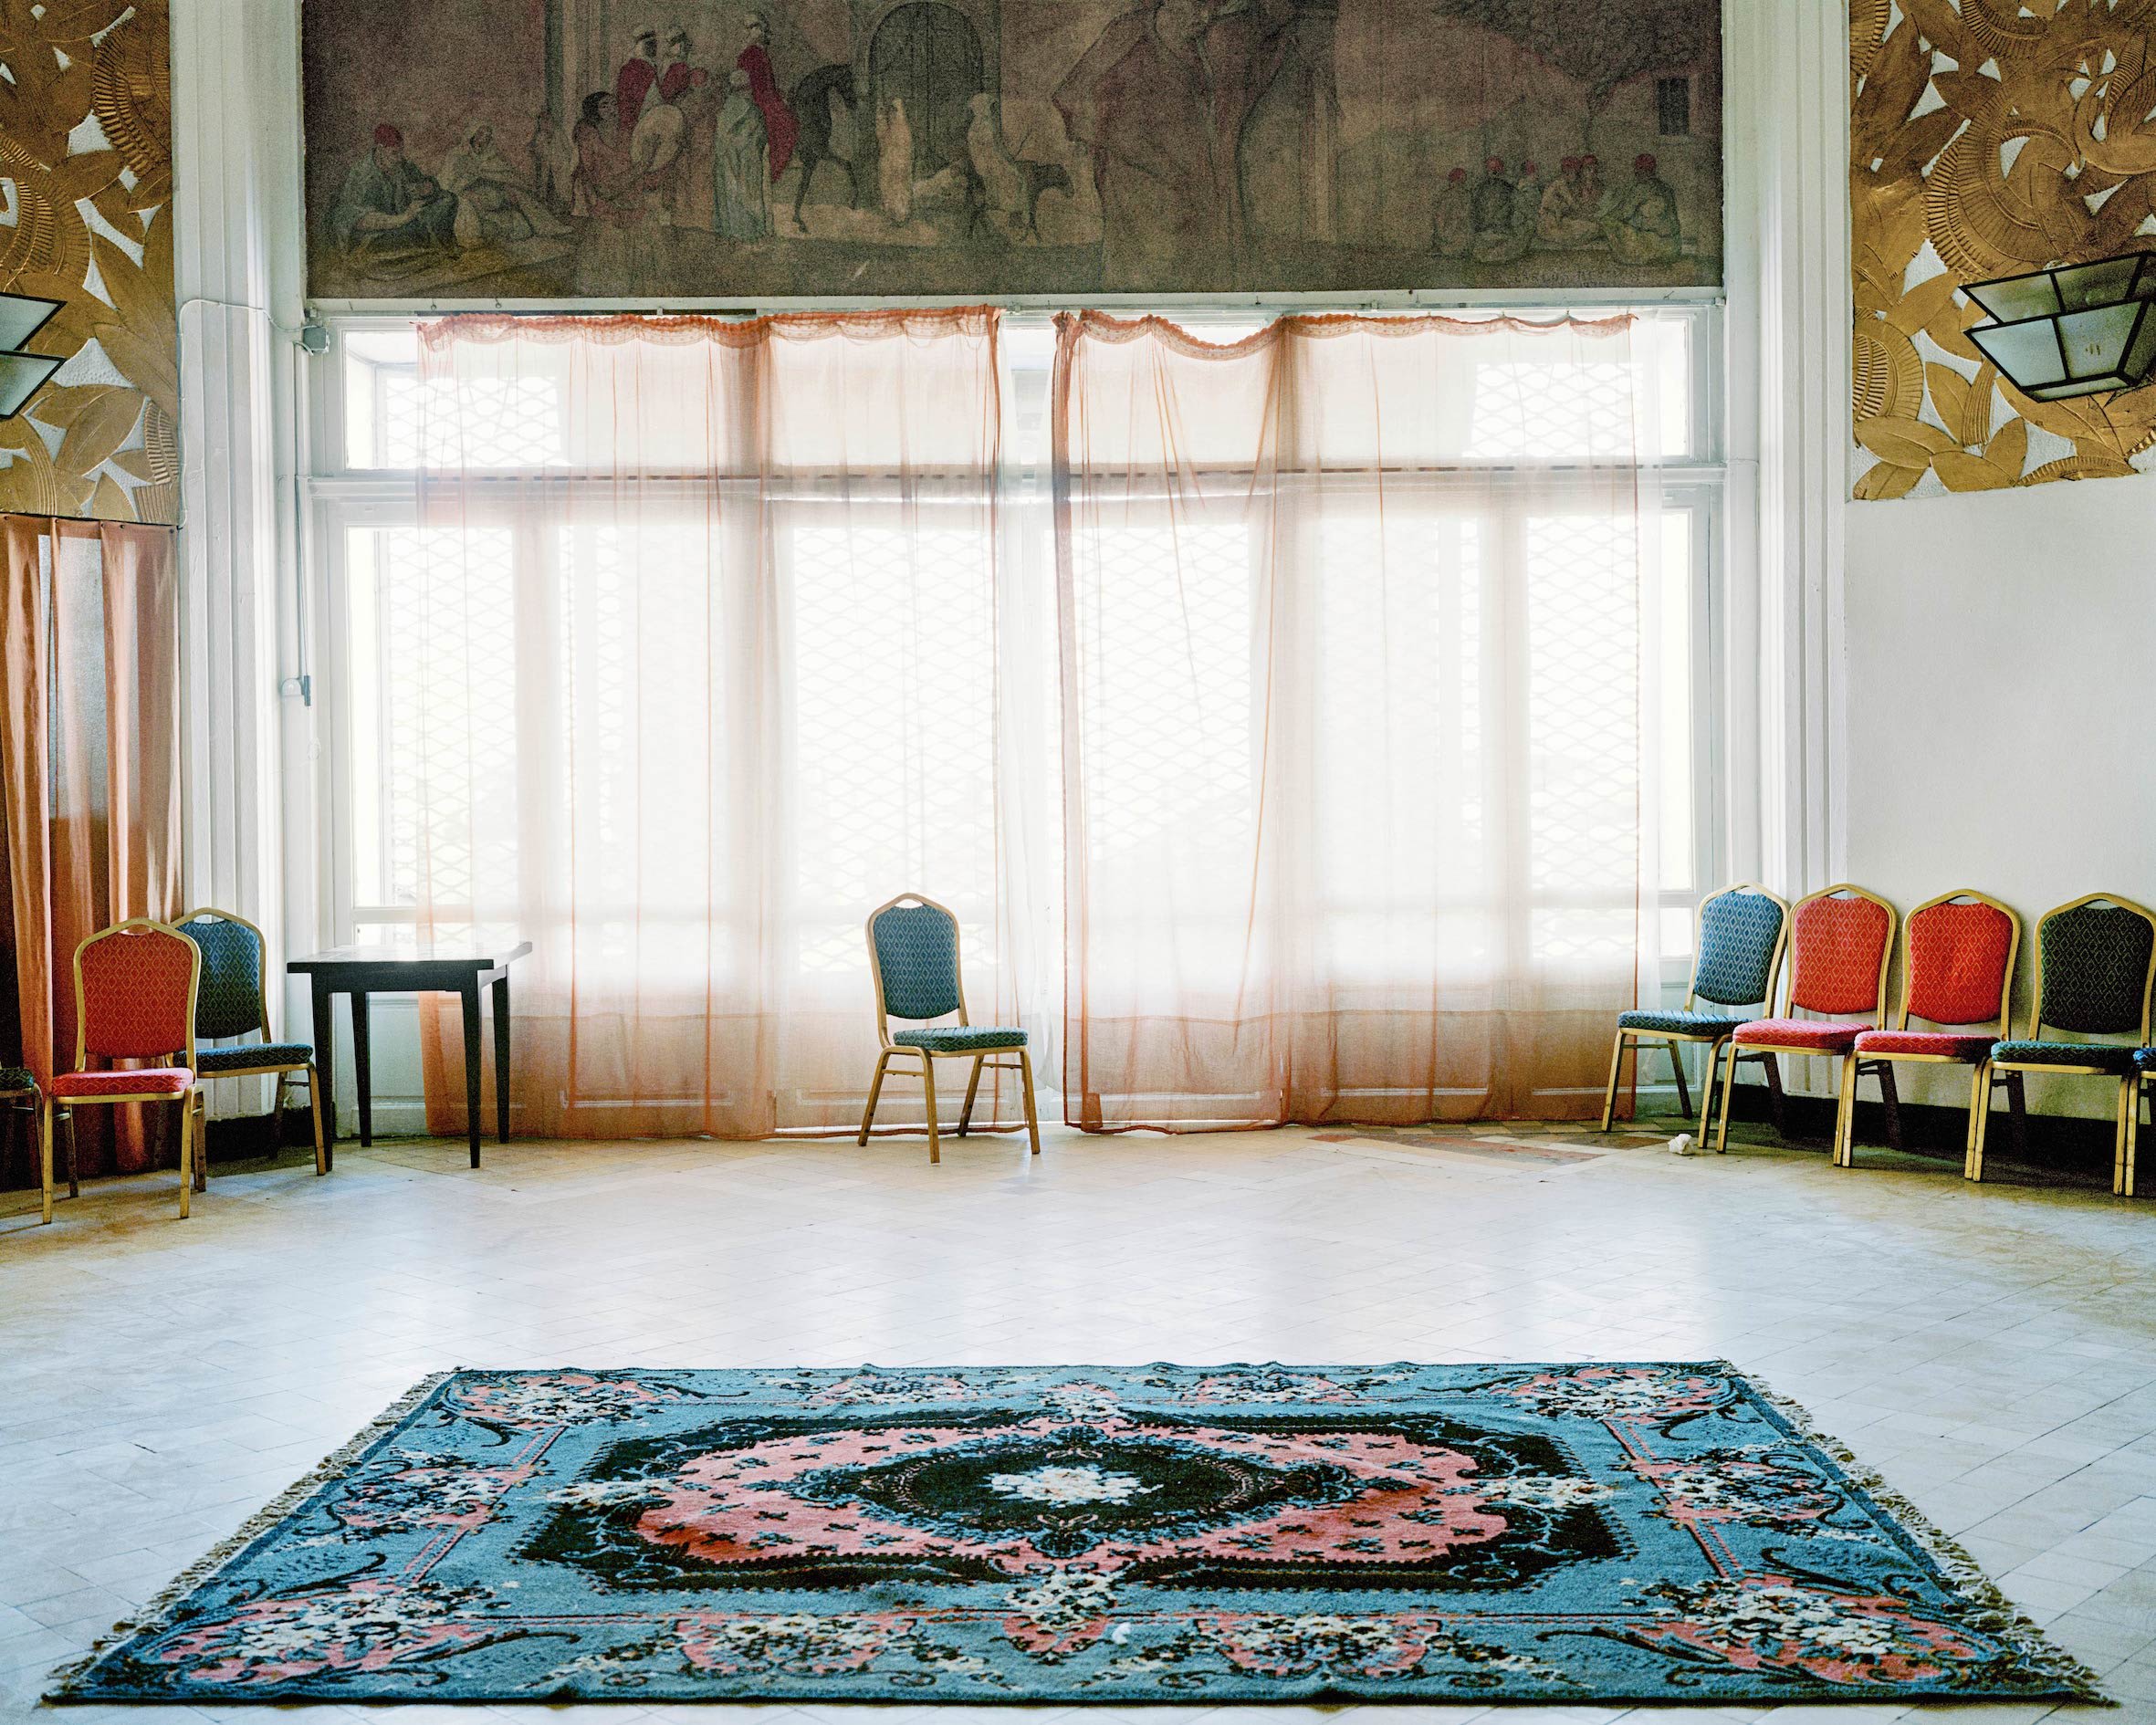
(2096, 967)
(146, 990)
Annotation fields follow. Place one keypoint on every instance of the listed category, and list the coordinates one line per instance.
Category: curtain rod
(84, 520)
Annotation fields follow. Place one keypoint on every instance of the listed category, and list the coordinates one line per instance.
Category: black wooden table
(459, 967)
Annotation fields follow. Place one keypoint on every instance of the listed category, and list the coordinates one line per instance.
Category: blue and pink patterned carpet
(1560, 1533)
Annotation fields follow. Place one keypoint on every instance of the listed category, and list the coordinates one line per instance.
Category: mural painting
(708, 148)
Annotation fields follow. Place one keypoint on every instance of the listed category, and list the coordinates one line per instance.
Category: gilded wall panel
(86, 169)
(1989, 138)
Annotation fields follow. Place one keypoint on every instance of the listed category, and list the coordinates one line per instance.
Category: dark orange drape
(89, 772)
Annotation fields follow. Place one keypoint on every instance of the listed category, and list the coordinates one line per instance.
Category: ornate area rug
(1559, 1533)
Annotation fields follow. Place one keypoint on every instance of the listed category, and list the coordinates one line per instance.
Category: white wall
(2000, 665)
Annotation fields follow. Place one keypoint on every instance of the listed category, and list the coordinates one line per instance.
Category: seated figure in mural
(1160, 101)
(388, 209)
(492, 202)
(741, 165)
(605, 184)
(1452, 224)
(1501, 236)
(1640, 219)
(1569, 217)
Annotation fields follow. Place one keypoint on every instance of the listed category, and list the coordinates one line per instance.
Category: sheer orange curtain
(90, 739)
(1353, 638)
(690, 693)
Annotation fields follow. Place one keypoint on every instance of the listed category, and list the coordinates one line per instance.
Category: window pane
(1680, 859)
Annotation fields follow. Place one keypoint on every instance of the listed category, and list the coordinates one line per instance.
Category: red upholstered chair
(1957, 973)
(1841, 939)
(135, 1001)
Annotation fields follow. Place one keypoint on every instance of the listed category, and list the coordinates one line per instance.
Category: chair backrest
(1742, 932)
(2095, 959)
(134, 992)
(913, 954)
(1958, 954)
(230, 1001)
(1840, 940)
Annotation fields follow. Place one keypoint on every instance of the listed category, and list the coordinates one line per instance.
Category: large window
(864, 706)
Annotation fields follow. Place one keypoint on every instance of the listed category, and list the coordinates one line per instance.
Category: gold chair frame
(1840, 889)
(1672, 1041)
(1882, 1065)
(194, 1168)
(2127, 1113)
(281, 1071)
(929, 1057)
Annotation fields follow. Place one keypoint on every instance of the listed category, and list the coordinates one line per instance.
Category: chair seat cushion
(143, 1080)
(2105, 1057)
(964, 1039)
(1807, 1034)
(1679, 1023)
(16, 1078)
(252, 1054)
(1940, 1044)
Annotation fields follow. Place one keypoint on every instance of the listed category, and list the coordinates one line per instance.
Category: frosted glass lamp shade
(21, 377)
(2078, 329)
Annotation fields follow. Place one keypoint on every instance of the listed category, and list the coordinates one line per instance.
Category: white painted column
(236, 81)
(1785, 110)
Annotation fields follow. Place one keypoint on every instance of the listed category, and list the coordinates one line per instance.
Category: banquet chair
(2096, 961)
(135, 1001)
(233, 1002)
(912, 958)
(1957, 971)
(1738, 935)
(1841, 939)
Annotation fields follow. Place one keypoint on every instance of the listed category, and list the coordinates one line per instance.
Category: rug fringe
(1999, 1615)
(338, 1461)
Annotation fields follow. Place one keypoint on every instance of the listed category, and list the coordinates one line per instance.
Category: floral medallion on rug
(1558, 1533)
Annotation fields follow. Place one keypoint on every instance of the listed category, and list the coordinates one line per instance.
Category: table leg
(325, 1040)
(471, 1063)
(501, 1057)
(362, 1063)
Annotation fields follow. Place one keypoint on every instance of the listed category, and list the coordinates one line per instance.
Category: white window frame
(341, 496)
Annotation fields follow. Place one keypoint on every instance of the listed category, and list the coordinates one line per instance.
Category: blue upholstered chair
(1742, 932)
(912, 957)
(2095, 962)
(231, 1003)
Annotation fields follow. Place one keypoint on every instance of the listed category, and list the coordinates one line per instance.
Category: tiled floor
(1992, 1351)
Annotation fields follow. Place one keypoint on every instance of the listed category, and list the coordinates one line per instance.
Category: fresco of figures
(827, 149)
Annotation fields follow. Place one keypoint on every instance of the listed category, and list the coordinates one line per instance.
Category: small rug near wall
(1558, 1533)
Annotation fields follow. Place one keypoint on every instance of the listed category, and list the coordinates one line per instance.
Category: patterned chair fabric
(228, 1002)
(1957, 962)
(1679, 1023)
(2095, 960)
(143, 1080)
(967, 1039)
(134, 994)
(2105, 1057)
(209, 1062)
(1812, 1035)
(16, 1078)
(1839, 943)
(1940, 1044)
(917, 959)
(1738, 932)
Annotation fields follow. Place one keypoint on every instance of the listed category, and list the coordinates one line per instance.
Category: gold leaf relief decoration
(85, 154)
(1989, 138)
